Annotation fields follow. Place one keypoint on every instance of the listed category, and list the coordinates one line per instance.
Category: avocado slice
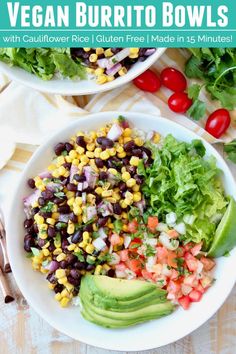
(110, 322)
(155, 296)
(120, 289)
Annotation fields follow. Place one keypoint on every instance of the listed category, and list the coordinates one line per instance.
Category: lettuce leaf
(182, 181)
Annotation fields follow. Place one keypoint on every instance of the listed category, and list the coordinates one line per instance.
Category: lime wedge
(225, 236)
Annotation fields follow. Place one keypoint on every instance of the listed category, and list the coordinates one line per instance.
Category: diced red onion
(115, 132)
(45, 174)
(53, 187)
(91, 212)
(64, 217)
(32, 198)
(80, 186)
(28, 212)
(73, 171)
(150, 135)
(141, 205)
(53, 266)
(114, 69)
(127, 240)
(118, 57)
(99, 244)
(84, 195)
(102, 63)
(115, 259)
(102, 233)
(105, 208)
(91, 176)
(149, 51)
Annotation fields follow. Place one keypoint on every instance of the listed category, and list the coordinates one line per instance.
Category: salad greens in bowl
(129, 216)
(76, 71)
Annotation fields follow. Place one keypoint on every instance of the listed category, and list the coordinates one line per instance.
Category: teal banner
(130, 23)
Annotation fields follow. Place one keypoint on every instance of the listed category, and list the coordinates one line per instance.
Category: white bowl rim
(69, 87)
(108, 116)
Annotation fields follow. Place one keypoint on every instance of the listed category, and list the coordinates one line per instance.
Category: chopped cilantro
(80, 256)
(35, 251)
(59, 195)
(57, 238)
(118, 226)
(150, 251)
(48, 207)
(61, 225)
(90, 260)
(29, 255)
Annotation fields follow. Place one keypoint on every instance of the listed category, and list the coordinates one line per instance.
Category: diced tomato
(173, 233)
(124, 255)
(191, 280)
(133, 246)
(152, 223)
(173, 287)
(184, 301)
(200, 288)
(188, 246)
(196, 249)
(115, 239)
(195, 295)
(180, 251)
(135, 265)
(133, 226)
(146, 275)
(208, 263)
(121, 267)
(174, 274)
(206, 282)
(171, 259)
(162, 255)
(192, 262)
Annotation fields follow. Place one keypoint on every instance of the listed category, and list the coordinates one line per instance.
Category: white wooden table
(22, 331)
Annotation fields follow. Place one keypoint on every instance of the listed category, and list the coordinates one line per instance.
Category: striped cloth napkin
(27, 116)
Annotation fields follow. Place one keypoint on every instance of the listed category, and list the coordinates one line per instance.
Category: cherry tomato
(135, 265)
(179, 102)
(148, 81)
(133, 226)
(218, 122)
(173, 79)
(185, 302)
(152, 223)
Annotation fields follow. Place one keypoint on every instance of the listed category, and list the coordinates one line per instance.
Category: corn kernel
(55, 174)
(113, 171)
(156, 138)
(121, 155)
(45, 252)
(131, 182)
(62, 170)
(89, 249)
(82, 244)
(43, 235)
(57, 297)
(78, 201)
(70, 194)
(58, 250)
(69, 287)
(44, 270)
(101, 79)
(122, 71)
(86, 236)
(116, 196)
(71, 201)
(133, 56)
(99, 51)
(61, 257)
(51, 286)
(126, 140)
(97, 152)
(136, 188)
(106, 267)
(98, 270)
(84, 159)
(110, 225)
(51, 167)
(73, 154)
(91, 198)
(90, 154)
(125, 176)
(46, 245)
(125, 228)
(68, 159)
(62, 280)
(38, 219)
(93, 58)
(104, 155)
(123, 204)
(70, 228)
(60, 273)
(108, 53)
(111, 200)
(124, 215)
(60, 160)
(120, 149)
(80, 150)
(107, 193)
(55, 216)
(138, 141)
(50, 221)
(134, 50)
(65, 293)
(137, 197)
(134, 161)
(99, 190)
(75, 162)
(110, 78)
(71, 247)
(64, 301)
(95, 228)
(77, 210)
(87, 49)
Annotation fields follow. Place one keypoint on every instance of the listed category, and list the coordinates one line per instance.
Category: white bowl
(77, 87)
(69, 321)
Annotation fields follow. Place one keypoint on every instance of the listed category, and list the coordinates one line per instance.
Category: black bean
(80, 265)
(58, 200)
(131, 169)
(63, 264)
(58, 288)
(138, 179)
(99, 162)
(51, 232)
(73, 281)
(80, 178)
(90, 267)
(137, 152)
(51, 278)
(68, 147)
(28, 223)
(75, 292)
(36, 229)
(64, 233)
(71, 258)
(108, 143)
(41, 242)
(98, 199)
(45, 214)
(64, 209)
(102, 221)
(115, 50)
(73, 218)
(89, 190)
(78, 194)
(64, 244)
(122, 186)
(59, 148)
(111, 273)
(114, 162)
(129, 146)
(125, 161)
(147, 151)
(77, 237)
(117, 209)
(31, 183)
(88, 228)
(71, 187)
(67, 165)
(81, 142)
(41, 201)
(28, 243)
(47, 195)
(75, 273)
(51, 247)
(103, 175)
